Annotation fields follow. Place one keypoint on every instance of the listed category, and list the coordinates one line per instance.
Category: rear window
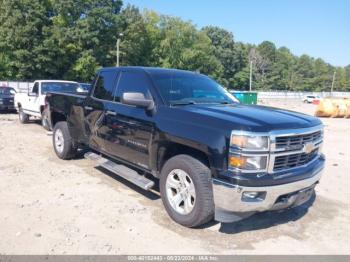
(59, 87)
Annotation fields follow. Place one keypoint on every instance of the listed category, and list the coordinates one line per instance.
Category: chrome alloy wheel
(180, 191)
(59, 140)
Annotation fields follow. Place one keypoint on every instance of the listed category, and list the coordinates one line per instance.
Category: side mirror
(137, 99)
(32, 94)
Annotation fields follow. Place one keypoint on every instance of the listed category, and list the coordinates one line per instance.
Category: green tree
(141, 37)
(182, 46)
(224, 51)
(85, 31)
(24, 28)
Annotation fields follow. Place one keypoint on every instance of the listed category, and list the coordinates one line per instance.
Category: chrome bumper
(228, 197)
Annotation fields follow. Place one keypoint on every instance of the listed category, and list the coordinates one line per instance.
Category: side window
(35, 88)
(104, 85)
(133, 82)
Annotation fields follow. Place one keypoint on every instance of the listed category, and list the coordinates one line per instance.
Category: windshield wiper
(184, 103)
(226, 102)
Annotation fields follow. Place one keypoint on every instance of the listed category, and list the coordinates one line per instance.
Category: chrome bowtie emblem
(308, 148)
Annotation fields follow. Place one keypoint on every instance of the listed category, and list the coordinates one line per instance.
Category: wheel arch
(57, 117)
(166, 150)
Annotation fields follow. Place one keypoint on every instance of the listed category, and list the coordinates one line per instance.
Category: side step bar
(121, 170)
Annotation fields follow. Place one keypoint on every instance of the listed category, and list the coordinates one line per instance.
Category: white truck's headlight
(249, 142)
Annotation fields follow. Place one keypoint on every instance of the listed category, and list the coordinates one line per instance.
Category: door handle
(111, 113)
(88, 107)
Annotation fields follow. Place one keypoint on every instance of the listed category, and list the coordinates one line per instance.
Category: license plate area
(294, 199)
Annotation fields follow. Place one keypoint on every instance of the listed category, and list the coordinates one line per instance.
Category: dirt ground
(50, 206)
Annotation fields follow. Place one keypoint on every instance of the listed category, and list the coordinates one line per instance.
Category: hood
(251, 118)
(6, 96)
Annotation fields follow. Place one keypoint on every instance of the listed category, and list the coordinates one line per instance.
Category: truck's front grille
(294, 160)
(294, 148)
(297, 141)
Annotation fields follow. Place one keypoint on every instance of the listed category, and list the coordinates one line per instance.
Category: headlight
(250, 142)
(249, 163)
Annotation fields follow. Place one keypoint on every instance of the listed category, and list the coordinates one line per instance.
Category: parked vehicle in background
(7, 96)
(215, 158)
(310, 99)
(84, 87)
(33, 103)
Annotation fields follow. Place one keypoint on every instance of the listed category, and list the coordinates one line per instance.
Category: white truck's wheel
(44, 120)
(23, 117)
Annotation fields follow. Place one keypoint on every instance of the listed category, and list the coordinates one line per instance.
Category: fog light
(253, 196)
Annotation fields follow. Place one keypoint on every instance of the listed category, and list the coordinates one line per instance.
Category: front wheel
(186, 191)
(63, 143)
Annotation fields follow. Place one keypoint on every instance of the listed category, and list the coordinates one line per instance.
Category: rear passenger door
(95, 109)
(130, 128)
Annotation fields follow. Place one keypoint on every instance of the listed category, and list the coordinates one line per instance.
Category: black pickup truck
(215, 158)
(7, 96)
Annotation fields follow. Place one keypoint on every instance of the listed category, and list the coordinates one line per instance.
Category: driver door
(33, 100)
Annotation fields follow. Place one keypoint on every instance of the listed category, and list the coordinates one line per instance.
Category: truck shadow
(8, 112)
(267, 219)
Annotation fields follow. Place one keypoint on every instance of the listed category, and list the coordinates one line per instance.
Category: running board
(121, 170)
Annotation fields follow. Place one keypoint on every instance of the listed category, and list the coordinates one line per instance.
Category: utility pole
(250, 76)
(333, 83)
(118, 44)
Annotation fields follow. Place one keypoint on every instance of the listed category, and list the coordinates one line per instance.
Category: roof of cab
(147, 69)
(56, 81)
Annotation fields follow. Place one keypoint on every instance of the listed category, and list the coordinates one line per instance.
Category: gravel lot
(50, 206)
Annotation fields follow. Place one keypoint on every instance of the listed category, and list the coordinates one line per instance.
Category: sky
(319, 28)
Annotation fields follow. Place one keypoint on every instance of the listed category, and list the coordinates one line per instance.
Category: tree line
(71, 39)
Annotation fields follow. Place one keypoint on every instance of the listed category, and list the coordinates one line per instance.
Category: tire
(63, 143)
(201, 210)
(23, 117)
(44, 120)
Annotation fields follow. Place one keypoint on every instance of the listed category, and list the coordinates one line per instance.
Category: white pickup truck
(33, 103)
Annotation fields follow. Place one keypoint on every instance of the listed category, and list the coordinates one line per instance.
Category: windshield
(7, 91)
(190, 88)
(59, 87)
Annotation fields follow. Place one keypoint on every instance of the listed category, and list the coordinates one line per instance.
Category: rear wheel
(23, 117)
(186, 190)
(44, 120)
(63, 143)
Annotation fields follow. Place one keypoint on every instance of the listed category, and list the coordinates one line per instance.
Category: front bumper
(7, 104)
(230, 206)
(7, 107)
